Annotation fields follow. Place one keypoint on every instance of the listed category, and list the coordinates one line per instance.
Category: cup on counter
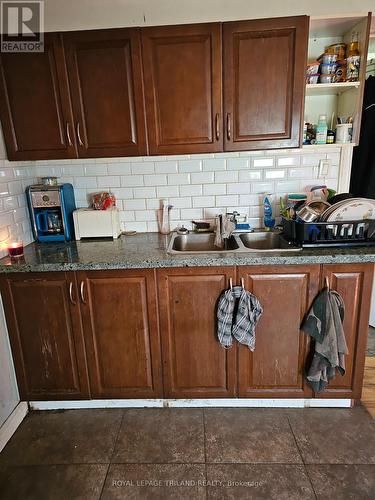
(15, 249)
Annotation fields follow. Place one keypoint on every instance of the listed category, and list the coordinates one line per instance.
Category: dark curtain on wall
(362, 181)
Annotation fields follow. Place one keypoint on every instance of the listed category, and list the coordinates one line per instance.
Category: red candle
(15, 249)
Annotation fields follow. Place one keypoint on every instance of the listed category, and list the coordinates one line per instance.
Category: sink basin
(257, 241)
(200, 242)
(266, 242)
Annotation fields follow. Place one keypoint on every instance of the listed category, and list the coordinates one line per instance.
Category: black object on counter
(330, 234)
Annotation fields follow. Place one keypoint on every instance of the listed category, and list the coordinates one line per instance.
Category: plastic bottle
(164, 223)
(269, 220)
(321, 130)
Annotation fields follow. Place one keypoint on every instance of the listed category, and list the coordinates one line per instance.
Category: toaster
(90, 223)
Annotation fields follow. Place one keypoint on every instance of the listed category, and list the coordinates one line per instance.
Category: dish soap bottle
(269, 220)
(321, 130)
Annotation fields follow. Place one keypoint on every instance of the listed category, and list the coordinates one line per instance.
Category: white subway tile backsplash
(177, 179)
(287, 186)
(144, 192)
(288, 161)
(109, 180)
(191, 190)
(119, 168)
(250, 175)
(198, 186)
(85, 182)
(237, 163)
(191, 213)
(301, 173)
(165, 167)
(131, 180)
(202, 177)
(213, 165)
(224, 201)
(275, 174)
(15, 187)
(250, 199)
(134, 204)
(263, 162)
(312, 160)
(203, 201)
(167, 191)
(228, 176)
(214, 189)
(123, 193)
(190, 166)
(181, 202)
(145, 215)
(141, 167)
(153, 204)
(262, 187)
(96, 169)
(155, 180)
(238, 188)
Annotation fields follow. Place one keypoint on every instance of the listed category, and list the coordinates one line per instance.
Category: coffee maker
(51, 211)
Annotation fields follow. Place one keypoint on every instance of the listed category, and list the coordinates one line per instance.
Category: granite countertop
(148, 250)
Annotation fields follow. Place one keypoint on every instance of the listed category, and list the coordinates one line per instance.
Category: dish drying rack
(330, 234)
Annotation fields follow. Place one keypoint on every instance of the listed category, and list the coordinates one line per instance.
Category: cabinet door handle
(68, 133)
(82, 291)
(228, 127)
(217, 126)
(79, 135)
(71, 294)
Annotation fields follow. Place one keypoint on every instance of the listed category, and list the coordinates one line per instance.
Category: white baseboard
(192, 403)
(11, 424)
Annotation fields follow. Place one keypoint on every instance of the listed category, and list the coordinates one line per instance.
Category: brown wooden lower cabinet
(354, 283)
(96, 333)
(45, 333)
(119, 313)
(276, 367)
(195, 364)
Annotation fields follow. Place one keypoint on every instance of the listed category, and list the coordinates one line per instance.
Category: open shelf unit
(337, 99)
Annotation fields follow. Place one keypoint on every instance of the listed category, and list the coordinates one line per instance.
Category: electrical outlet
(323, 167)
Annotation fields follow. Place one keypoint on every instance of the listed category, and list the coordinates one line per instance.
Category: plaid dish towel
(238, 313)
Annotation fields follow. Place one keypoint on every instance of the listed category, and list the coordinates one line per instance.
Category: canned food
(328, 69)
(329, 58)
(327, 78)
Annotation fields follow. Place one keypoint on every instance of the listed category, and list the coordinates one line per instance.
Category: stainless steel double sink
(257, 241)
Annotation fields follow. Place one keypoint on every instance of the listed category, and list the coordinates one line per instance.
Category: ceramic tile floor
(191, 454)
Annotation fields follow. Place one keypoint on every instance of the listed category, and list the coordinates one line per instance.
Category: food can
(328, 69)
(329, 58)
(341, 71)
(337, 48)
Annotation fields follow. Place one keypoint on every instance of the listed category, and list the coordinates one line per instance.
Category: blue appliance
(51, 212)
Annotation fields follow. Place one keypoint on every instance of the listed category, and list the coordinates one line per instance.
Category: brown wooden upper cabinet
(35, 106)
(105, 75)
(183, 74)
(264, 82)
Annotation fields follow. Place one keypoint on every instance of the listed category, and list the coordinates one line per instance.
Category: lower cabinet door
(195, 364)
(354, 283)
(45, 333)
(276, 368)
(119, 312)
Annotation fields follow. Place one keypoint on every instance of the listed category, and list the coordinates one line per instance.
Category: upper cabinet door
(34, 103)
(182, 71)
(264, 82)
(105, 75)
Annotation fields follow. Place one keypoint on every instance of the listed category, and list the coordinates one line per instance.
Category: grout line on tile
(303, 461)
(104, 481)
(117, 436)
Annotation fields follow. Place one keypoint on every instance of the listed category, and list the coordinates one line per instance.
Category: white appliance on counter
(90, 223)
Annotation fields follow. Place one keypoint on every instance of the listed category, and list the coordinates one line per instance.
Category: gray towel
(238, 312)
(325, 324)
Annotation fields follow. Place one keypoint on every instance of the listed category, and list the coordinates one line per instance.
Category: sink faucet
(224, 229)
